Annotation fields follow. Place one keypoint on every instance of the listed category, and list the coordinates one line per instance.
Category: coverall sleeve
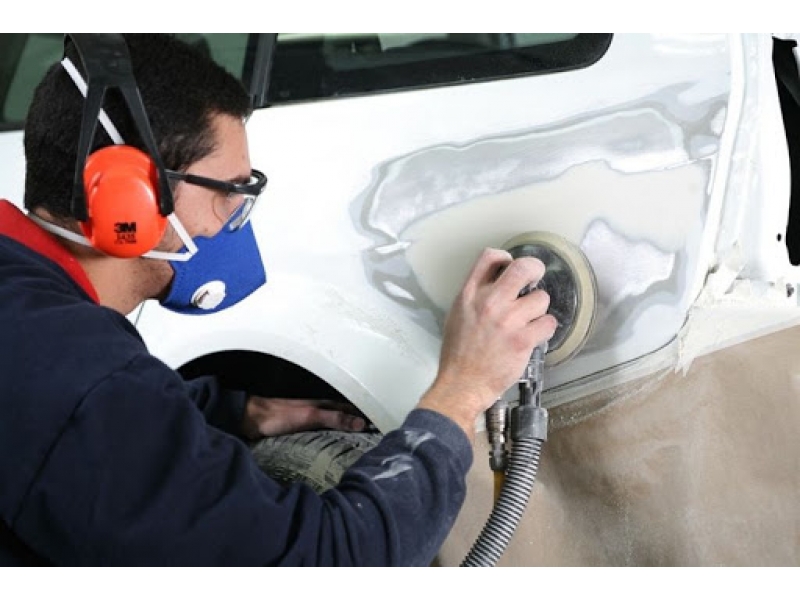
(222, 408)
(138, 477)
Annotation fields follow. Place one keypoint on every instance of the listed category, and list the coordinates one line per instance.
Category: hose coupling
(529, 422)
(496, 427)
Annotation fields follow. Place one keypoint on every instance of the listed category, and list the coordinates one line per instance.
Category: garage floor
(694, 469)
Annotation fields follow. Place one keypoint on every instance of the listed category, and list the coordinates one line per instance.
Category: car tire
(318, 458)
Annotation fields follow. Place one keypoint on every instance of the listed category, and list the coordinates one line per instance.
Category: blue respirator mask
(226, 268)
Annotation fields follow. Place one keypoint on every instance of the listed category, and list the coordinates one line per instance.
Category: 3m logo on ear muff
(121, 196)
(122, 202)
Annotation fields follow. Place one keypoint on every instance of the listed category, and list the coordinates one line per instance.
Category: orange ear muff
(121, 184)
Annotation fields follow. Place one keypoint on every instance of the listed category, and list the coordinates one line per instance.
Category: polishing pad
(570, 281)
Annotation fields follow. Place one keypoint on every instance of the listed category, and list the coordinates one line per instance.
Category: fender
(344, 340)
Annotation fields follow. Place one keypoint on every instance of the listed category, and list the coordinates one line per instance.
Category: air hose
(528, 432)
(523, 464)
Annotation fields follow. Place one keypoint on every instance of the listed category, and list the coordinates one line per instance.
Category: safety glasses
(249, 192)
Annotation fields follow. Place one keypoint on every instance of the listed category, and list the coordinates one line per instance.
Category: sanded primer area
(631, 184)
(641, 276)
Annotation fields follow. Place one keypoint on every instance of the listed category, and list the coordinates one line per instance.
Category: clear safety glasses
(241, 197)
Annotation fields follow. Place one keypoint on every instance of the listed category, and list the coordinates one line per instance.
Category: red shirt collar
(17, 226)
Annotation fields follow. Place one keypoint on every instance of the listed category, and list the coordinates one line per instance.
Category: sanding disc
(570, 281)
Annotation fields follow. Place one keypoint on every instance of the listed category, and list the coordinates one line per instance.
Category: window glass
(231, 50)
(324, 65)
(310, 66)
(25, 58)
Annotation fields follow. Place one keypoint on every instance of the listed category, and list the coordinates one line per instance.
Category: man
(106, 455)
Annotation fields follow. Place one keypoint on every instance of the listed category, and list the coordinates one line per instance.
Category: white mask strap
(59, 231)
(191, 247)
(111, 130)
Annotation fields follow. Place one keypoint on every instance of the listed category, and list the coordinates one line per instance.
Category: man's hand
(279, 416)
(489, 335)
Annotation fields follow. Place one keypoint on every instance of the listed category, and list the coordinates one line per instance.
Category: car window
(308, 66)
(324, 65)
(25, 58)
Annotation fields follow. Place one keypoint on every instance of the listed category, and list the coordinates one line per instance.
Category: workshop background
(665, 166)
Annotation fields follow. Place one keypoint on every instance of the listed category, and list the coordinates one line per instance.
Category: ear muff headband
(121, 197)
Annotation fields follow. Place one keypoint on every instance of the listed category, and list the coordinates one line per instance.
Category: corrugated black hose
(528, 432)
(523, 464)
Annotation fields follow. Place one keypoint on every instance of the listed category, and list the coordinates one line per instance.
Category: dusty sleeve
(221, 407)
(138, 477)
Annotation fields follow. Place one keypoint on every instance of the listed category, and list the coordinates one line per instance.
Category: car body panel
(662, 161)
(378, 218)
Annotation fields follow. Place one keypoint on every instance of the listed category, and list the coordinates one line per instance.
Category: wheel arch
(381, 364)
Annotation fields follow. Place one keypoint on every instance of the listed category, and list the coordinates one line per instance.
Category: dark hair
(182, 90)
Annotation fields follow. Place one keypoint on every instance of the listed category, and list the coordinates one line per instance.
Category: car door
(393, 159)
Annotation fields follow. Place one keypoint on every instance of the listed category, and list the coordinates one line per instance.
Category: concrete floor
(694, 469)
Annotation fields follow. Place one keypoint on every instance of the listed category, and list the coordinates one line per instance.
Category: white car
(393, 159)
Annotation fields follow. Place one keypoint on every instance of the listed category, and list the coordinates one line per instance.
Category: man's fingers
(339, 415)
(486, 269)
(523, 271)
(542, 329)
(280, 416)
(533, 305)
(320, 418)
(534, 325)
(347, 422)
